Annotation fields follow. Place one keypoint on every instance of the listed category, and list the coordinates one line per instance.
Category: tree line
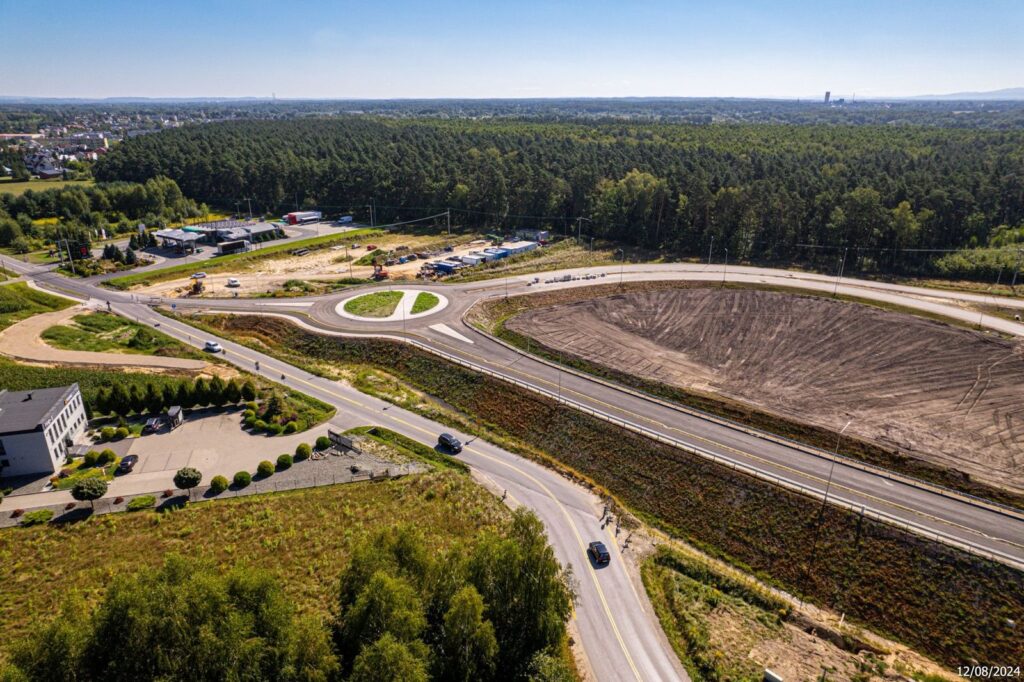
(767, 192)
(187, 394)
(81, 212)
(493, 609)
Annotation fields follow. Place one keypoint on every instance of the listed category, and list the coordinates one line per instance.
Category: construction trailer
(496, 254)
(302, 217)
(516, 248)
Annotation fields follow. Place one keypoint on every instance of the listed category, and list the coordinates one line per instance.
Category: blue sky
(529, 48)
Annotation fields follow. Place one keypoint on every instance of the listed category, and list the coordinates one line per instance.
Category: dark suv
(127, 464)
(449, 443)
(599, 553)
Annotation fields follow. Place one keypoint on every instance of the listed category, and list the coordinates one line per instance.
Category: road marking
(536, 481)
(742, 453)
(448, 331)
(751, 456)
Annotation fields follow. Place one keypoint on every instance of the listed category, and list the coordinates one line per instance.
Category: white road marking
(448, 331)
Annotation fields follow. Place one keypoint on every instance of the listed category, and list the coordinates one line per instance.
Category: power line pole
(1013, 284)
(711, 246)
(448, 217)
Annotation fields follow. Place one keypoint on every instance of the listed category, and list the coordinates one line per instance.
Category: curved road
(613, 614)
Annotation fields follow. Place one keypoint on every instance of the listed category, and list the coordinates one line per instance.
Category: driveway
(214, 443)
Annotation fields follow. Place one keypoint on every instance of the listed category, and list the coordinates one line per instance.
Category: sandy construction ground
(323, 264)
(942, 394)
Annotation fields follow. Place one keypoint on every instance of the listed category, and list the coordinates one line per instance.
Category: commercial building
(38, 428)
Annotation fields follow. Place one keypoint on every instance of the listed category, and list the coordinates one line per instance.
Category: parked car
(233, 282)
(213, 347)
(450, 443)
(127, 464)
(198, 275)
(153, 425)
(599, 553)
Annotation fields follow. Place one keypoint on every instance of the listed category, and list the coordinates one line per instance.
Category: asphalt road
(618, 630)
(613, 614)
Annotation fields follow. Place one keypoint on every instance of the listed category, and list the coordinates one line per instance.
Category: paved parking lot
(215, 444)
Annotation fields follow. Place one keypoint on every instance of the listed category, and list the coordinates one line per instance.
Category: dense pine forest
(894, 197)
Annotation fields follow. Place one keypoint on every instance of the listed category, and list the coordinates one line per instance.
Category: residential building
(37, 429)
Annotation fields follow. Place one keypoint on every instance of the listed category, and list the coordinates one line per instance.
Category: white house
(37, 428)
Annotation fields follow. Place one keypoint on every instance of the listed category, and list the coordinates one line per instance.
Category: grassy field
(377, 304)
(424, 301)
(103, 332)
(944, 602)
(19, 301)
(234, 262)
(8, 186)
(492, 315)
(303, 537)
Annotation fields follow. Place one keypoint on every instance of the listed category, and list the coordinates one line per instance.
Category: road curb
(763, 435)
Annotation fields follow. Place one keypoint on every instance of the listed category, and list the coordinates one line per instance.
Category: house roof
(27, 410)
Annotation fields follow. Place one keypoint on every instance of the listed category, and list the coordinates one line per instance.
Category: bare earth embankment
(935, 392)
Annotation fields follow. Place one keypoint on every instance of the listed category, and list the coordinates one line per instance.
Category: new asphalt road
(613, 615)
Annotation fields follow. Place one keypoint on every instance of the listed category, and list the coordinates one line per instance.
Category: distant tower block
(828, 96)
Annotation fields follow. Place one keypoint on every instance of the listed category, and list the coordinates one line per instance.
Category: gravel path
(22, 341)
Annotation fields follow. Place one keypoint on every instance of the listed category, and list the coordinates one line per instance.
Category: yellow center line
(547, 491)
(743, 453)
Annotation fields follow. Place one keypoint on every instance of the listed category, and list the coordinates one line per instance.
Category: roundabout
(391, 305)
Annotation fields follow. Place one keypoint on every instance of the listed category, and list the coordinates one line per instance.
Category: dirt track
(945, 395)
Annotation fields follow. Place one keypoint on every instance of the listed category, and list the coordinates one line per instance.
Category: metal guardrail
(874, 469)
(733, 464)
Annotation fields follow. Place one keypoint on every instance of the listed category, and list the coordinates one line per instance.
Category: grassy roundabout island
(377, 304)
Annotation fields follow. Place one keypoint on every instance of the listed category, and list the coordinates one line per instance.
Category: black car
(127, 464)
(449, 442)
(599, 553)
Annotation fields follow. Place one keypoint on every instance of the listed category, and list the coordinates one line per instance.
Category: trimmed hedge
(242, 479)
(218, 484)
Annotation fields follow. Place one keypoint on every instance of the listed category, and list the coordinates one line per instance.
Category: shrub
(250, 421)
(303, 451)
(242, 479)
(141, 502)
(323, 442)
(291, 427)
(69, 506)
(168, 493)
(252, 406)
(259, 425)
(122, 432)
(118, 500)
(89, 489)
(275, 429)
(90, 458)
(218, 484)
(108, 456)
(16, 513)
(37, 517)
(248, 414)
(265, 468)
(284, 462)
(187, 478)
(107, 433)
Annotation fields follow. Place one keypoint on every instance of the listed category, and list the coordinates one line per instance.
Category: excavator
(379, 272)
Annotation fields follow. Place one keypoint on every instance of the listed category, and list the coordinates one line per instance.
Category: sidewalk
(312, 473)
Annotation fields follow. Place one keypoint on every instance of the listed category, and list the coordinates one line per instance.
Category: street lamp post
(835, 455)
(725, 267)
(711, 246)
(622, 265)
(842, 266)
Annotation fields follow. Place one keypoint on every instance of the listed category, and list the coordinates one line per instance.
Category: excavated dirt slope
(943, 394)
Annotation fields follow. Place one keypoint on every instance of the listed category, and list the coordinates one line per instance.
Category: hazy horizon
(399, 49)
